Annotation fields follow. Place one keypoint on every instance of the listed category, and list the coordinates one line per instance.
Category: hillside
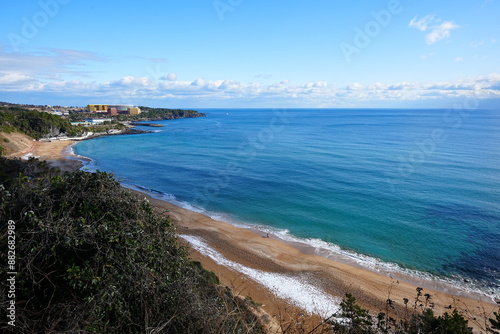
(14, 142)
(93, 257)
(164, 114)
(147, 114)
(34, 123)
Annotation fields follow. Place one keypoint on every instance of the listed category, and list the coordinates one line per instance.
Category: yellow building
(134, 111)
(97, 108)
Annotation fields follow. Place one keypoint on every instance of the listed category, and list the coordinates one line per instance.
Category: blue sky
(242, 53)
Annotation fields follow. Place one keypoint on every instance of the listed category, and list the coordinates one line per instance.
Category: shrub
(352, 319)
(93, 257)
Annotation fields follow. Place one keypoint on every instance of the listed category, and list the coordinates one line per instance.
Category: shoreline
(58, 154)
(334, 253)
(219, 246)
(236, 253)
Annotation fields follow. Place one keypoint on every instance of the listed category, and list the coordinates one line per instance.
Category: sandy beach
(267, 255)
(56, 153)
(284, 278)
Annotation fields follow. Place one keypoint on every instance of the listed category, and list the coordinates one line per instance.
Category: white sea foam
(456, 286)
(88, 164)
(295, 290)
(333, 252)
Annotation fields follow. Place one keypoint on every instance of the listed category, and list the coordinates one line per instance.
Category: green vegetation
(37, 124)
(106, 126)
(156, 114)
(420, 319)
(495, 323)
(34, 123)
(147, 114)
(93, 257)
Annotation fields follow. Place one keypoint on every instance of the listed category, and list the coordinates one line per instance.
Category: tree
(495, 323)
(352, 319)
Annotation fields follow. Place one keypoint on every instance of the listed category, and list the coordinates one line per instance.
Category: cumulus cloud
(318, 84)
(139, 90)
(198, 82)
(437, 30)
(10, 78)
(355, 86)
(130, 81)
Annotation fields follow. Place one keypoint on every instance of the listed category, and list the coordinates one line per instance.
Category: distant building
(98, 121)
(115, 109)
(134, 111)
(121, 108)
(97, 108)
(81, 123)
(112, 112)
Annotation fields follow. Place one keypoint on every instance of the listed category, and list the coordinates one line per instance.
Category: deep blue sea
(412, 190)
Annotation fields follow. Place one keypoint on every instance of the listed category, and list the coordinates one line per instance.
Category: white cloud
(355, 86)
(438, 31)
(459, 58)
(172, 77)
(142, 90)
(129, 81)
(421, 24)
(198, 82)
(11, 78)
(314, 85)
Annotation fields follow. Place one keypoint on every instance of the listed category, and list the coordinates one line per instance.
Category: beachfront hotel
(114, 109)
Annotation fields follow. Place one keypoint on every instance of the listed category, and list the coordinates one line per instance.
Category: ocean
(394, 190)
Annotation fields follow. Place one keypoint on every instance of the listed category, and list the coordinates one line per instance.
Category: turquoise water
(415, 188)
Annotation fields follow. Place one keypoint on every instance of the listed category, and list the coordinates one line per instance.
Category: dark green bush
(93, 257)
